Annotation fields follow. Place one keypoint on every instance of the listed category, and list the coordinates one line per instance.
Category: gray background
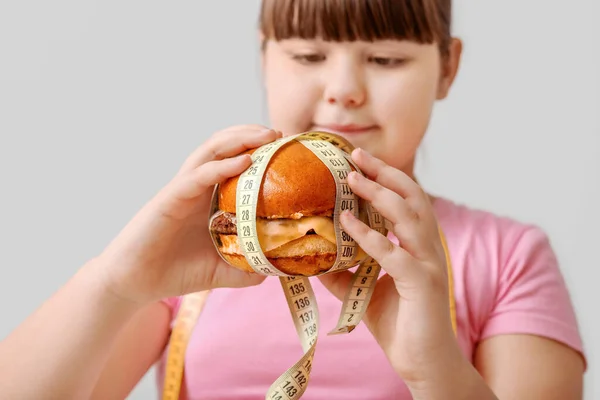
(100, 102)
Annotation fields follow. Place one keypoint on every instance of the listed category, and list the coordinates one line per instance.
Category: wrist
(95, 274)
(453, 377)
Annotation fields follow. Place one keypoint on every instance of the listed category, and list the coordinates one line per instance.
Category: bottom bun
(309, 255)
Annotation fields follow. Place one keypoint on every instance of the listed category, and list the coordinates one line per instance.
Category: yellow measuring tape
(334, 152)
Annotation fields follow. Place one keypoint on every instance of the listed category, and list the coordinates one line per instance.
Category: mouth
(345, 129)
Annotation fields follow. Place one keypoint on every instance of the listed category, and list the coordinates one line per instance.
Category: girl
(370, 71)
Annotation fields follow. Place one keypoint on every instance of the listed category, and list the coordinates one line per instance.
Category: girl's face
(379, 95)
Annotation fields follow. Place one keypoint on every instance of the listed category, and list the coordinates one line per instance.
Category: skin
(165, 249)
(393, 86)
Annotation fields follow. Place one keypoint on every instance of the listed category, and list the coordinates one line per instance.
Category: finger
(387, 176)
(405, 222)
(230, 143)
(407, 274)
(391, 205)
(337, 283)
(393, 259)
(198, 181)
(178, 199)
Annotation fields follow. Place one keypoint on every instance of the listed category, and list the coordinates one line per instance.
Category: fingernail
(346, 214)
(366, 154)
(354, 176)
(268, 130)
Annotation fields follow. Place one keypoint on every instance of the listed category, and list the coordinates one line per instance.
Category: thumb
(337, 283)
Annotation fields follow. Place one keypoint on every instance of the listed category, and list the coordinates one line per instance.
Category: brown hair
(422, 21)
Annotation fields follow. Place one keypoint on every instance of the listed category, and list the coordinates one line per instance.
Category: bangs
(422, 21)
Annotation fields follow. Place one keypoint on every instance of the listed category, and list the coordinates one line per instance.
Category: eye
(387, 61)
(311, 58)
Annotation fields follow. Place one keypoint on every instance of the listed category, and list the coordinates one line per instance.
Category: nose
(344, 85)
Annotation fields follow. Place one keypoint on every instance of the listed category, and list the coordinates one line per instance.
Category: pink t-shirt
(507, 280)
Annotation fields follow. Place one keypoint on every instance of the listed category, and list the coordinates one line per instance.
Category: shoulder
(492, 249)
(463, 220)
(508, 278)
(497, 241)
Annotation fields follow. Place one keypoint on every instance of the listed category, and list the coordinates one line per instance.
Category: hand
(166, 249)
(409, 311)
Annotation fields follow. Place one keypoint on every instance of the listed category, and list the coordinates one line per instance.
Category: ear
(261, 37)
(262, 48)
(450, 65)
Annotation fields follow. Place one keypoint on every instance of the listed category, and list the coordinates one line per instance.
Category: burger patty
(226, 224)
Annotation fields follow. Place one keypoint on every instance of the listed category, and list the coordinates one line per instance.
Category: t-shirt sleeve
(532, 296)
(173, 304)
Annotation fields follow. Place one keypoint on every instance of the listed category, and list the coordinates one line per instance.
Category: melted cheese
(277, 232)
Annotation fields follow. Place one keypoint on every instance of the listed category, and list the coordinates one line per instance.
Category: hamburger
(294, 215)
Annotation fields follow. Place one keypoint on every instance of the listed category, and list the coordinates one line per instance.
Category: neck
(410, 171)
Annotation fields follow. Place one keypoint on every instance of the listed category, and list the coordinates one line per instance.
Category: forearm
(59, 351)
(455, 379)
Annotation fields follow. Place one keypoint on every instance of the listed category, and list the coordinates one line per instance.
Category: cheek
(405, 106)
(291, 101)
